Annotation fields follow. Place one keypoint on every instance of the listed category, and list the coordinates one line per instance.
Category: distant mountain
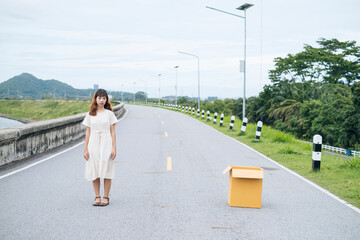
(28, 86)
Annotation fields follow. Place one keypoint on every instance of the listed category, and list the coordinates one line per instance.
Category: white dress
(100, 163)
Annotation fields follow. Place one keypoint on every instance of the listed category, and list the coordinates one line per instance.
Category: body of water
(6, 123)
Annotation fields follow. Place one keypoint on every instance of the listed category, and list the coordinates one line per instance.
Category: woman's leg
(107, 186)
(96, 184)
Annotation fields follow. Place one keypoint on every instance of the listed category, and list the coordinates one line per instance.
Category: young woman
(100, 145)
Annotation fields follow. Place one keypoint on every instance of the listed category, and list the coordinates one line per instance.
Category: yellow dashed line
(166, 134)
(169, 167)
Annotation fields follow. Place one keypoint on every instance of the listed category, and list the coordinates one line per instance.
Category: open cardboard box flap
(245, 172)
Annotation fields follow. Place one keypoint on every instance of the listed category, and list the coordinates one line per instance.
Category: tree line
(316, 91)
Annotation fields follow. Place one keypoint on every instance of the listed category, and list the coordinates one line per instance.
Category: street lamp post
(243, 7)
(176, 68)
(146, 93)
(159, 75)
(198, 74)
(146, 89)
(122, 92)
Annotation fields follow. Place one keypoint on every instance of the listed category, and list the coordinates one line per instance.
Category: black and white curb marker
(243, 127)
(215, 116)
(258, 130)
(186, 109)
(208, 115)
(183, 108)
(198, 114)
(316, 154)
(202, 113)
(221, 119)
(193, 111)
(232, 122)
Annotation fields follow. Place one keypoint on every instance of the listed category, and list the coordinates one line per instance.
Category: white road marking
(295, 174)
(48, 158)
(169, 165)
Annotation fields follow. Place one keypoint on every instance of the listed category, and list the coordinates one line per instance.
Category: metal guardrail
(334, 149)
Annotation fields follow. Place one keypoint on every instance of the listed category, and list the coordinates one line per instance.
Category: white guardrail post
(221, 119)
(232, 122)
(316, 155)
(215, 117)
(243, 127)
(258, 130)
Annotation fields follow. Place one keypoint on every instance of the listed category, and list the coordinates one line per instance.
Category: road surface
(168, 185)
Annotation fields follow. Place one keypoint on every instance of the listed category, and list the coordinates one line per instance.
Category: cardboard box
(245, 186)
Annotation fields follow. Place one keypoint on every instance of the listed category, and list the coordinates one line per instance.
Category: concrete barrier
(23, 141)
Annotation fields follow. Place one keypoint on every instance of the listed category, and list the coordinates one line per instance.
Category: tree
(140, 96)
(351, 125)
(335, 103)
(332, 62)
(236, 108)
(182, 101)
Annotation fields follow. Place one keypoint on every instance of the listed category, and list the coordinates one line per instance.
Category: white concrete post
(221, 119)
(232, 122)
(243, 127)
(258, 130)
(215, 117)
(316, 154)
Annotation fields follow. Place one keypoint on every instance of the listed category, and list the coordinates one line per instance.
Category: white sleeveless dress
(100, 164)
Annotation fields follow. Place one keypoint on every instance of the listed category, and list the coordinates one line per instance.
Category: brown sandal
(105, 204)
(97, 203)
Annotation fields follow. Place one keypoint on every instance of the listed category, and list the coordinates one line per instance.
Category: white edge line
(295, 174)
(38, 162)
(48, 158)
(290, 171)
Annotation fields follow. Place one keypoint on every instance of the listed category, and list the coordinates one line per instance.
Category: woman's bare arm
(113, 136)
(87, 136)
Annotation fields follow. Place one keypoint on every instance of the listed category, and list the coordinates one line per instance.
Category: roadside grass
(339, 174)
(31, 110)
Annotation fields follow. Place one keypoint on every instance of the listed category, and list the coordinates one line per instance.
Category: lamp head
(245, 6)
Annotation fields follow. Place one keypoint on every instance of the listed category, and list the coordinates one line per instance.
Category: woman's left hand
(113, 154)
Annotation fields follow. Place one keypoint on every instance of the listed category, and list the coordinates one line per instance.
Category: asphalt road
(150, 199)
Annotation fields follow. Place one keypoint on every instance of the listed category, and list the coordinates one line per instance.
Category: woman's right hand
(86, 154)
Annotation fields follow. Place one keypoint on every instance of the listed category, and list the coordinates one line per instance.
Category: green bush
(282, 137)
(288, 150)
(351, 163)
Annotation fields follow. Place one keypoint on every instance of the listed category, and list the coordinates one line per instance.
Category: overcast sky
(115, 43)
